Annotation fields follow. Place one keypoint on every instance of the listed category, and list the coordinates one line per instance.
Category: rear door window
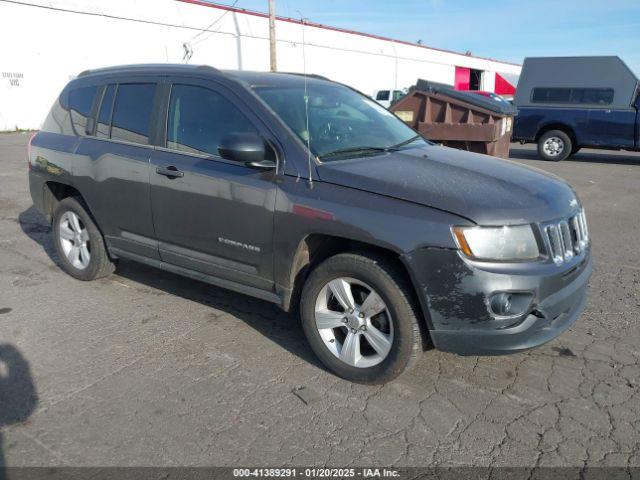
(131, 117)
(199, 118)
(80, 104)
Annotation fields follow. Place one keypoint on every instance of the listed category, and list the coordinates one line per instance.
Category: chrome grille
(566, 238)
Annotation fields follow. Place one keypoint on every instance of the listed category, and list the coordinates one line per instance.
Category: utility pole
(272, 34)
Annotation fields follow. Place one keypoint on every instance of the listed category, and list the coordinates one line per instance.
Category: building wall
(48, 42)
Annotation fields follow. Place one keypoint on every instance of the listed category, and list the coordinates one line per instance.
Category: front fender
(332, 210)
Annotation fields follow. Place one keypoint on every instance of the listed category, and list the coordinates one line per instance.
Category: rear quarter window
(59, 120)
(80, 105)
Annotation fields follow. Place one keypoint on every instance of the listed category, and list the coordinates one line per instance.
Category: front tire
(79, 244)
(555, 145)
(360, 318)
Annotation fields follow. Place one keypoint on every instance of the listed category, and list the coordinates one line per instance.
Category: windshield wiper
(403, 143)
(343, 151)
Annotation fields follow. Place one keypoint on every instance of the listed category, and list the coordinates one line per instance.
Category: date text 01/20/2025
(316, 472)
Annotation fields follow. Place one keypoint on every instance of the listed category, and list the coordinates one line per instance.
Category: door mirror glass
(243, 147)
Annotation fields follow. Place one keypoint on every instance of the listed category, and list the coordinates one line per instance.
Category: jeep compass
(305, 193)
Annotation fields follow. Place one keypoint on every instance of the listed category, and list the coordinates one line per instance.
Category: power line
(188, 45)
(207, 29)
(96, 14)
(248, 35)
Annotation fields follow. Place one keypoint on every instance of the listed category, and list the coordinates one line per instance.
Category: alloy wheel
(354, 322)
(74, 239)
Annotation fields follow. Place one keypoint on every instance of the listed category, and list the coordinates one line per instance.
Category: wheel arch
(55, 192)
(317, 247)
(568, 129)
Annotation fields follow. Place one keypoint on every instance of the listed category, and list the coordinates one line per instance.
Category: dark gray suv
(305, 193)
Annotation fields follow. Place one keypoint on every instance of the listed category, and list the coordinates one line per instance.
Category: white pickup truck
(388, 97)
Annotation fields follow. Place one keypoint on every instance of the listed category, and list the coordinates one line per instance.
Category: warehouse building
(47, 42)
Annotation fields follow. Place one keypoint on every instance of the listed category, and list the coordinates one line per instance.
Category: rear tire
(79, 244)
(555, 145)
(389, 342)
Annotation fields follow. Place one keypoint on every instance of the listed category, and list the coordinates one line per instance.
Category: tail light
(29, 149)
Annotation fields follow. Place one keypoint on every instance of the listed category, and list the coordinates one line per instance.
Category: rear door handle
(170, 171)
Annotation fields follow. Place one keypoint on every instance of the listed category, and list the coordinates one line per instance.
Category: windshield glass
(342, 122)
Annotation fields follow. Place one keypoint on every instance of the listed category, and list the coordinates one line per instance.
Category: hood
(484, 189)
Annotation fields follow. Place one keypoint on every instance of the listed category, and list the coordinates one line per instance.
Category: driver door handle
(170, 172)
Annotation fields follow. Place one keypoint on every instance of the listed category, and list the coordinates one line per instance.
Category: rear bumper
(455, 295)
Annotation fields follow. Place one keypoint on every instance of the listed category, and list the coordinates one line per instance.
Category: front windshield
(342, 122)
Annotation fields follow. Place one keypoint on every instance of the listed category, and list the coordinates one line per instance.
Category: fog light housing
(509, 304)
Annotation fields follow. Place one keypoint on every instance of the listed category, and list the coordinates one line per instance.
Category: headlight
(497, 243)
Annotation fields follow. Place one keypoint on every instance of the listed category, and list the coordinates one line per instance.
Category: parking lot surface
(148, 368)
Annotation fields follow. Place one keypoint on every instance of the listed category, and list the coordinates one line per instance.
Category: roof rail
(310, 75)
(207, 67)
(148, 66)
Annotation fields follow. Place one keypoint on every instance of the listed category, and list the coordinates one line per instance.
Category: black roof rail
(208, 67)
(310, 75)
(148, 67)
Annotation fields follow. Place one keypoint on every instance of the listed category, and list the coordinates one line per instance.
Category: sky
(508, 30)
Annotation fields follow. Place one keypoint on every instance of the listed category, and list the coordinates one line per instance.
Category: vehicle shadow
(604, 156)
(18, 396)
(36, 227)
(264, 317)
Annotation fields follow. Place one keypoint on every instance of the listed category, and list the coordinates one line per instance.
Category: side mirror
(247, 148)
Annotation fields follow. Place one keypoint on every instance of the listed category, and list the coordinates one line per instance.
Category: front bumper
(455, 295)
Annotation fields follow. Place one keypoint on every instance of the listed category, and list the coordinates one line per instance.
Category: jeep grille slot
(566, 238)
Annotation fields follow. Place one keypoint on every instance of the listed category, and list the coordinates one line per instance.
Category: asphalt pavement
(148, 368)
